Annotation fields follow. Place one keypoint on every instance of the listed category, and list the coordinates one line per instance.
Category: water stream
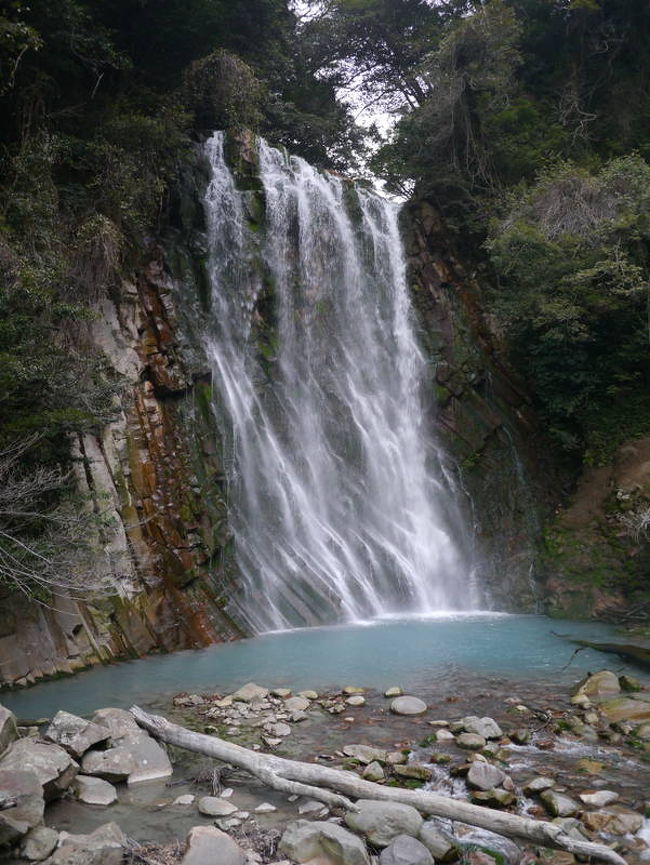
(339, 503)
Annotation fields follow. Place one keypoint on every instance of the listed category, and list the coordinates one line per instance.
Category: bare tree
(46, 538)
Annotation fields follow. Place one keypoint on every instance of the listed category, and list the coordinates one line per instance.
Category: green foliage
(573, 257)
(223, 92)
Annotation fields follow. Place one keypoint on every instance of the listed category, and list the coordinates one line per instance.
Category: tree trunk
(309, 779)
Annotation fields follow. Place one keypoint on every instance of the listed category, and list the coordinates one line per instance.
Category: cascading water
(338, 503)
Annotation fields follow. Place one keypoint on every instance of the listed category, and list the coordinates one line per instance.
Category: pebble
(395, 691)
(356, 701)
(265, 808)
(186, 799)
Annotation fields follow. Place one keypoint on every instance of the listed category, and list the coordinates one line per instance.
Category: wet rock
(214, 806)
(380, 822)
(27, 789)
(75, 734)
(357, 700)
(396, 758)
(351, 690)
(265, 808)
(324, 843)
(365, 754)
(495, 798)
(296, 704)
(408, 706)
(438, 842)
(414, 771)
(405, 850)
(559, 805)
(278, 730)
(642, 732)
(591, 767)
(395, 691)
(626, 709)
(629, 683)
(94, 791)
(598, 686)
(522, 736)
(115, 764)
(444, 735)
(614, 821)
(470, 741)
(119, 722)
(207, 844)
(312, 806)
(104, 846)
(308, 695)
(572, 827)
(373, 772)
(53, 766)
(39, 843)
(8, 731)
(281, 693)
(485, 727)
(599, 798)
(484, 776)
(185, 799)
(250, 693)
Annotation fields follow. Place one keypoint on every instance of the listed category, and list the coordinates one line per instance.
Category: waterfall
(339, 505)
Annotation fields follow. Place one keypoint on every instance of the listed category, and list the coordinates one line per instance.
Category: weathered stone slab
(213, 806)
(104, 846)
(119, 722)
(53, 766)
(249, 693)
(94, 791)
(207, 845)
(75, 734)
(26, 787)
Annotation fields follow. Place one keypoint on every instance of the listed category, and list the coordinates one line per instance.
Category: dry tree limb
(292, 776)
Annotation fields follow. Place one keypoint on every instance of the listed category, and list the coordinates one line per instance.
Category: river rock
(322, 843)
(444, 735)
(308, 694)
(614, 821)
(281, 693)
(414, 771)
(184, 800)
(485, 727)
(104, 846)
(365, 754)
(484, 776)
(373, 772)
(75, 734)
(629, 683)
(396, 758)
(642, 732)
(351, 690)
(380, 822)
(94, 791)
(8, 731)
(494, 798)
(119, 722)
(599, 798)
(470, 741)
(207, 844)
(278, 730)
(53, 766)
(539, 784)
(626, 709)
(598, 686)
(559, 805)
(296, 704)
(115, 764)
(27, 788)
(250, 693)
(437, 842)
(395, 691)
(39, 843)
(214, 806)
(405, 850)
(356, 700)
(265, 808)
(408, 706)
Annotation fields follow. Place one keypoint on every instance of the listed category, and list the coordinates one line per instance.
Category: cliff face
(484, 417)
(155, 479)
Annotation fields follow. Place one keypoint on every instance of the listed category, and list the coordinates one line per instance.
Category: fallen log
(309, 779)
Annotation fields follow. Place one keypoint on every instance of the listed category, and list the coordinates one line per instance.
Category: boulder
(8, 731)
(94, 791)
(207, 845)
(626, 709)
(380, 822)
(485, 727)
(282, 693)
(438, 842)
(598, 686)
(75, 734)
(484, 776)
(104, 846)
(405, 850)
(408, 706)
(53, 766)
(559, 805)
(365, 754)
(324, 843)
(250, 693)
(39, 843)
(296, 704)
(27, 789)
(356, 701)
(214, 806)
(119, 722)
(352, 690)
(136, 758)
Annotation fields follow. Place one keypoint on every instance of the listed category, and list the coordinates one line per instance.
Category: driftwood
(309, 779)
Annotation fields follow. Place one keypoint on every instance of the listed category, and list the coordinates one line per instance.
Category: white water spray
(338, 503)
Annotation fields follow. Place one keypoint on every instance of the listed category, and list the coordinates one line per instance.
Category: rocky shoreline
(582, 762)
